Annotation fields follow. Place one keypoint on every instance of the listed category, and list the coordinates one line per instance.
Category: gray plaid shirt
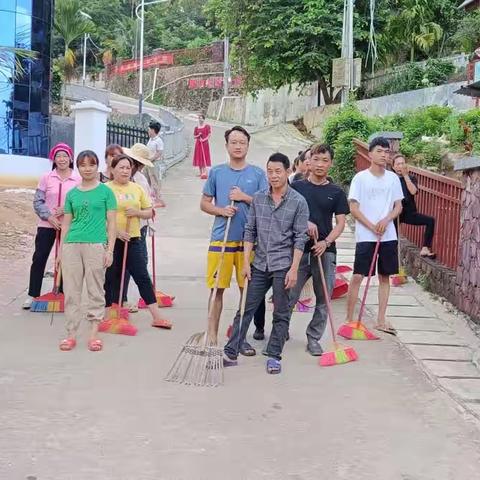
(278, 230)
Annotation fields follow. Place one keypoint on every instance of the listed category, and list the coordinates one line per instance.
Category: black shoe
(247, 350)
(314, 348)
(259, 335)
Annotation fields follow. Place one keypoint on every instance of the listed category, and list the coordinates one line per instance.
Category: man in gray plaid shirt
(277, 223)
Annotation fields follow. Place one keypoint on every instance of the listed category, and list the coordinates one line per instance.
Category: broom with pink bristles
(339, 354)
(357, 330)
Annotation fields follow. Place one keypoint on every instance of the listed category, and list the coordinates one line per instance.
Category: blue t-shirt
(221, 179)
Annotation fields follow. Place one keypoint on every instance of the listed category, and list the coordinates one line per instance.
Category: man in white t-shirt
(156, 146)
(375, 200)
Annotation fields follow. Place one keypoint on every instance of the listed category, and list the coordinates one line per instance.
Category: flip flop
(68, 344)
(95, 345)
(274, 366)
(229, 361)
(165, 324)
(386, 329)
(247, 350)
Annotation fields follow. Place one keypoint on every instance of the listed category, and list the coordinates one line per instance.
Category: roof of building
(466, 3)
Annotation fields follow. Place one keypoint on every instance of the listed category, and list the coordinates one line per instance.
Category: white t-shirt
(156, 146)
(376, 197)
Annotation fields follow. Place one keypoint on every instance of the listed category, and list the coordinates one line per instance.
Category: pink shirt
(50, 184)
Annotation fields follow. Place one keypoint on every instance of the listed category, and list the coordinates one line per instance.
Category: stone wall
(433, 276)
(177, 94)
(468, 271)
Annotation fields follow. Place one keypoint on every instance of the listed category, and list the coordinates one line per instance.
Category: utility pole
(85, 38)
(347, 48)
(226, 66)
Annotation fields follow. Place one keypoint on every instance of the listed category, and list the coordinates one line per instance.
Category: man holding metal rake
(277, 223)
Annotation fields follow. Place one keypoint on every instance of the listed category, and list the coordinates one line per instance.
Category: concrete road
(110, 415)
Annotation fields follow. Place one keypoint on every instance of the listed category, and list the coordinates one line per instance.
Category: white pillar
(91, 128)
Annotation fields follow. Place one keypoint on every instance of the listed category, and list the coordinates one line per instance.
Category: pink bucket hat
(60, 147)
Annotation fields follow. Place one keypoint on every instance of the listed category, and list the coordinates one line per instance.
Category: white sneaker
(27, 303)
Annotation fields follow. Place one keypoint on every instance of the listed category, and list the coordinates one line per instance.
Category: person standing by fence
(410, 215)
(201, 152)
(156, 147)
(48, 205)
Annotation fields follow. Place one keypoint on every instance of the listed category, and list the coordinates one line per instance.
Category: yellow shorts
(233, 258)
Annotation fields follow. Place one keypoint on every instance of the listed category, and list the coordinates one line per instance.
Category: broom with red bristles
(118, 321)
(357, 330)
(163, 300)
(52, 301)
(339, 354)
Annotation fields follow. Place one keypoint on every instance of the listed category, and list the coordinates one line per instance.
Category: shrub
(57, 81)
(343, 168)
(431, 156)
(438, 71)
(348, 118)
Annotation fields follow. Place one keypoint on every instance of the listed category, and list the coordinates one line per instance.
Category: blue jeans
(309, 268)
(257, 289)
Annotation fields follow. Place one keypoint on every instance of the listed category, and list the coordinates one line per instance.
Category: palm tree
(414, 27)
(11, 58)
(70, 25)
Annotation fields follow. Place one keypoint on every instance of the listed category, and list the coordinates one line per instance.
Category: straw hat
(141, 153)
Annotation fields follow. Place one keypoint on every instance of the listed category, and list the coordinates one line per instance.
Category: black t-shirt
(408, 203)
(324, 201)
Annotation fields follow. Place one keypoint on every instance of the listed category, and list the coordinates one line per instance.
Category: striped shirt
(277, 229)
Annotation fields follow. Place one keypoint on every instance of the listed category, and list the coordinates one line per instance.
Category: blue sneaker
(273, 366)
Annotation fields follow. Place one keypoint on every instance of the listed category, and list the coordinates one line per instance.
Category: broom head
(340, 289)
(118, 326)
(199, 363)
(50, 302)
(356, 331)
(337, 356)
(163, 301)
(118, 313)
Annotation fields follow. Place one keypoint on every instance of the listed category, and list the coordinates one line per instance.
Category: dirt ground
(17, 223)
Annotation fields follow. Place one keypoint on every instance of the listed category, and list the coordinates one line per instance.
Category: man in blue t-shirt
(237, 182)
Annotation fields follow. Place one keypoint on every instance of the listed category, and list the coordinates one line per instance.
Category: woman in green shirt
(88, 238)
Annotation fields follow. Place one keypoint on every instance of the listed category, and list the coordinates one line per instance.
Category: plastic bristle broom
(357, 330)
(163, 300)
(118, 322)
(339, 354)
(53, 301)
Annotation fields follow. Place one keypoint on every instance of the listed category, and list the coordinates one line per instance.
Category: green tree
(70, 25)
(467, 36)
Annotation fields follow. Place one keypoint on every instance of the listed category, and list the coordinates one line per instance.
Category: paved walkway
(441, 342)
(110, 415)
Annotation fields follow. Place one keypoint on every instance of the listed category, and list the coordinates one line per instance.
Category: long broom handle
(124, 268)
(372, 266)
(220, 264)
(57, 238)
(327, 299)
(153, 264)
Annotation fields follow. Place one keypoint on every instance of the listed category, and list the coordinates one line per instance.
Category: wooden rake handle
(367, 286)
(326, 296)
(124, 268)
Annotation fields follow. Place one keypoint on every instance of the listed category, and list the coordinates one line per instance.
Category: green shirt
(89, 210)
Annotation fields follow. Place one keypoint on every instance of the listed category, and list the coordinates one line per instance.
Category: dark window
(42, 9)
(19, 138)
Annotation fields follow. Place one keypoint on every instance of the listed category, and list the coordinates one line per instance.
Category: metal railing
(439, 197)
(125, 135)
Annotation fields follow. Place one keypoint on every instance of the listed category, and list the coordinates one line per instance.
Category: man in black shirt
(409, 214)
(324, 199)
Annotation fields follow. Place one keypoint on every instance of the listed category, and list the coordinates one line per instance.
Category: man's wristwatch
(328, 243)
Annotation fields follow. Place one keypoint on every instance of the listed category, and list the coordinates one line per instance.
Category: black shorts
(387, 258)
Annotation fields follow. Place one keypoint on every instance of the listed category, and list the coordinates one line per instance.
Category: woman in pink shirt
(48, 205)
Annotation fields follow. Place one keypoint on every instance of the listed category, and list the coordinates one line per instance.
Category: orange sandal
(162, 324)
(95, 345)
(68, 344)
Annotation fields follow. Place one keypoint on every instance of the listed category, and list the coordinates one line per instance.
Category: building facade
(24, 100)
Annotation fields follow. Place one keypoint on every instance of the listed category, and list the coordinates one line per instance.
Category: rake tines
(199, 363)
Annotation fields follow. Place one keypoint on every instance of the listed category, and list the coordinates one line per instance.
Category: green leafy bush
(348, 118)
(431, 155)
(343, 168)
(438, 71)
(57, 82)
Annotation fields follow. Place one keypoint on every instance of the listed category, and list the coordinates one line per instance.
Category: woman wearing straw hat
(133, 205)
(48, 205)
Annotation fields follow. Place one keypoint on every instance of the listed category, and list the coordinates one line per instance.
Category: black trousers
(44, 242)
(137, 269)
(143, 232)
(259, 317)
(420, 219)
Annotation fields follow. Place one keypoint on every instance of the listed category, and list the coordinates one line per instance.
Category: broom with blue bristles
(53, 301)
